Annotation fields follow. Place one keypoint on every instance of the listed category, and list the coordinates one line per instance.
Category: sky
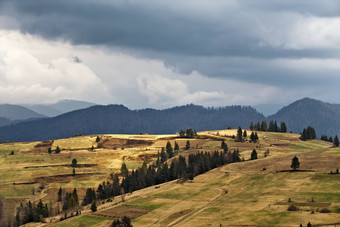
(165, 53)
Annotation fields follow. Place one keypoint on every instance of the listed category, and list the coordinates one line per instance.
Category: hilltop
(251, 192)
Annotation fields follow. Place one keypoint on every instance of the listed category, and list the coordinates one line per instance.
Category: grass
(143, 203)
(239, 193)
(83, 220)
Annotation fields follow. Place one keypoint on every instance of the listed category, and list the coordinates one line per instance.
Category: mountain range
(99, 119)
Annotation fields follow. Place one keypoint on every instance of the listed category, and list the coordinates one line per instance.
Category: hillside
(248, 193)
(61, 107)
(16, 112)
(324, 117)
(119, 119)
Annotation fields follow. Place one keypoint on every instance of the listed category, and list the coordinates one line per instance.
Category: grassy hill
(236, 194)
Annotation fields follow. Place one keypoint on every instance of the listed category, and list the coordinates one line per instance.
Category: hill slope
(61, 107)
(324, 117)
(16, 112)
(119, 119)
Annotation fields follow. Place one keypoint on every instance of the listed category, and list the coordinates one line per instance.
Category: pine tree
(239, 134)
(124, 170)
(93, 207)
(264, 126)
(245, 133)
(74, 162)
(169, 150)
(176, 147)
(164, 156)
(336, 141)
(224, 146)
(182, 133)
(283, 127)
(253, 155)
(251, 126)
(271, 126)
(187, 145)
(57, 150)
(60, 195)
(97, 139)
(295, 163)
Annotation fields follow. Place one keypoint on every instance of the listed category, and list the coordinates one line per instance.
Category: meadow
(252, 192)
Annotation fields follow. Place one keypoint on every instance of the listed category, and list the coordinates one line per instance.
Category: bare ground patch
(120, 212)
(175, 215)
(126, 143)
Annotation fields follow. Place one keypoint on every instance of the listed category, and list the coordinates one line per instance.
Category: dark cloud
(254, 41)
(230, 29)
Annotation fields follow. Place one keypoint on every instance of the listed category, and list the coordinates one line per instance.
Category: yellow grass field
(248, 193)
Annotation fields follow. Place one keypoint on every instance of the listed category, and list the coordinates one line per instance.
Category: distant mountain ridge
(324, 117)
(121, 120)
(118, 119)
(61, 107)
(16, 112)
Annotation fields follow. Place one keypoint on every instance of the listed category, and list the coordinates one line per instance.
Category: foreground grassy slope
(236, 194)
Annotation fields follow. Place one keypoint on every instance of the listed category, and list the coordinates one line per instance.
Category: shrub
(292, 208)
(325, 210)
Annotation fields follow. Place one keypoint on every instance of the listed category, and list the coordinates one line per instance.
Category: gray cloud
(289, 44)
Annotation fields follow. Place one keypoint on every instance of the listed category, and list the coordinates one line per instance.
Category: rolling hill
(119, 119)
(16, 112)
(324, 117)
(61, 107)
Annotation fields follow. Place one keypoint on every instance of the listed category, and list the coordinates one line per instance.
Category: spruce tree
(251, 126)
(239, 134)
(60, 195)
(176, 147)
(283, 127)
(264, 126)
(295, 163)
(187, 145)
(169, 150)
(94, 207)
(336, 141)
(253, 155)
(124, 170)
(245, 133)
(74, 162)
(57, 150)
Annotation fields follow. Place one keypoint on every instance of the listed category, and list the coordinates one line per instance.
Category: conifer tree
(187, 145)
(169, 150)
(264, 126)
(57, 150)
(176, 147)
(253, 155)
(283, 127)
(245, 133)
(124, 170)
(336, 141)
(239, 134)
(251, 126)
(93, 207)
(295, 163)
(60, 195)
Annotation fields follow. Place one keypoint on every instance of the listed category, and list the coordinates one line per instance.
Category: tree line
(308, 134)
(273, 126)
(335, 141)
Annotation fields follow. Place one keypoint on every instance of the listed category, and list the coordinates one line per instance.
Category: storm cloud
(287, 48)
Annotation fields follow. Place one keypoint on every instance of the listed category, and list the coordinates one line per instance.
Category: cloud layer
(164, 53)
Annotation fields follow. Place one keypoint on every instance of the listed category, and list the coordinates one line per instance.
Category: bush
(325, 210)
(94, 207)
(292, 208)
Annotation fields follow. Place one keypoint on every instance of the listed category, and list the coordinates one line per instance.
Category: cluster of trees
(31, 212)
(273, 126)
(308, 134)
(70, 200)
(254, 137)
(330, 139)
(241, 136)
(146, 176)
(189, 133)
(125, 222)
